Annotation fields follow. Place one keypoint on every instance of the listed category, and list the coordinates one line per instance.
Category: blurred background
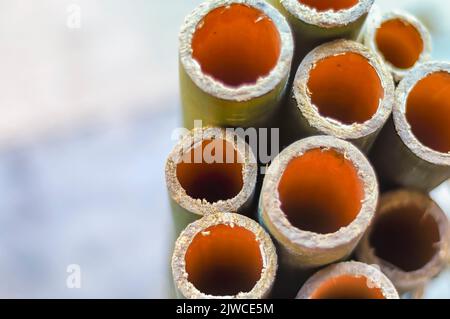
(88, 103)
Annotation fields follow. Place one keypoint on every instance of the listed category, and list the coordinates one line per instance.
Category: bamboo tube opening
(318, 198)
(224, 260)
(236, 44)
(400, 39)
(428, 111)
(400, 43)
(342, 89)
(406, 237)
(211, 170)
(324, 5)
(346, 87)
(348, 280)
(224, 255)
(348, 287)
(414, 152)
(408, 240)
(220, 179)
(321, 191)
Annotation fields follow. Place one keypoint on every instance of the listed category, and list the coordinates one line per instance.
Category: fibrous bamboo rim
(397, 199)
(375, 22)
(327, 19)
(297, 240)
(244, 92)
(194, 139)
(402, 126)
(356, 269)
(331, 126)
(264, 285)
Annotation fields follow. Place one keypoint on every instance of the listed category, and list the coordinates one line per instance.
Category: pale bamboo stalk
(305, 118)
(400, 158)
(185, 208)
(303, 249)
(426, 227)
(407, 33)
(348, 280)
(225, 258)
(312, 27)
(209, 98)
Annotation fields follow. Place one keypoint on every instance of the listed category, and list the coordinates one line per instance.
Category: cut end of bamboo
(211, 170)
(408, 239)
(224, 256)
(349, 280)
(400, 39)
(328, 13)
(326, 5)
(318, 216)
(303, 195)
(422, 110)
(342, 89)
(230, 64)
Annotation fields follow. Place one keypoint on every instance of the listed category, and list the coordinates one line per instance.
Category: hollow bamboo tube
(341, 89)
(224, 255)
(210, 170)
(413, 150)
(235, 60)
(318, 198)
(315, 22)
(408, 240)
(348, 280)
(400, 39)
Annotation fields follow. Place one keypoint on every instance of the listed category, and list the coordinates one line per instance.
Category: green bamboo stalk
(400, 159)
(208, 99)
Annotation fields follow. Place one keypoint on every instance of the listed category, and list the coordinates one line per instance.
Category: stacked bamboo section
(365, 132)
(229, 77)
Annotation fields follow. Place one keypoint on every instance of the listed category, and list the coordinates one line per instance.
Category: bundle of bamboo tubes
(363, 119)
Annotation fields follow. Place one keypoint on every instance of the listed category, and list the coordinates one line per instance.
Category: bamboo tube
(413, 150)
(235, 60)
(341, 89)
(315, 22)
(400, 39)
(348, 280)
(224, 256)
(408, 240)
(210, 170)
(318, 198)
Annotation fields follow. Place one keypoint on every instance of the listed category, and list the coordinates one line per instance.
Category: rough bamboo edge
(262, 288)
(312, 122)
(409, 281)
(216, 88)
(330, 18)
(374, 23)
(401, 123)
(399, 157)
(303, 249)
(374, 276)
(199, 207)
